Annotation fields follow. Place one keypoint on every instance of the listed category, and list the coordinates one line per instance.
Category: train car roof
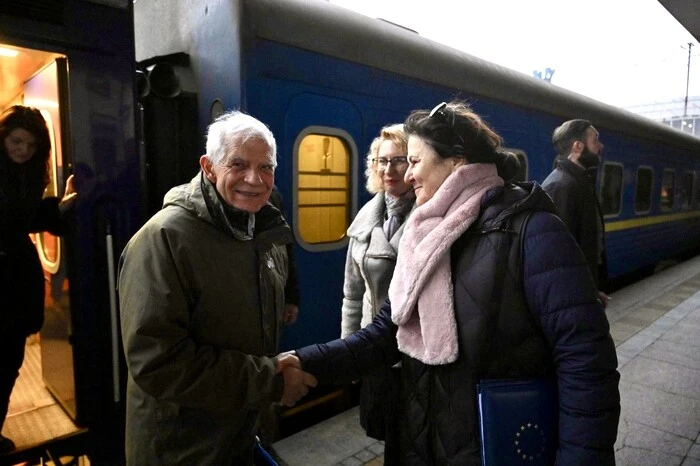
(338, 32)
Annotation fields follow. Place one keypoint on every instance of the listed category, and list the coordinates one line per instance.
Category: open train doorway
(42, 404)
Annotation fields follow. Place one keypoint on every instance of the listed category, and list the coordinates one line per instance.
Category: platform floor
(656, 327)
(34, 417)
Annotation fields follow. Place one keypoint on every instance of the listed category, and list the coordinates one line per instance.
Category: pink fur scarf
(421, 293)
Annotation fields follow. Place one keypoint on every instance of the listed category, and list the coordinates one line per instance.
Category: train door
(35, 78)
(322, 133)
(74, 60)
(42, 92)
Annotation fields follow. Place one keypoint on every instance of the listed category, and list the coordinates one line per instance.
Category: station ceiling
(686, 12)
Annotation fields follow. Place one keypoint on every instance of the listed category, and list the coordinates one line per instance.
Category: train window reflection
(668, 186)
(323, 189)
(642, 194)
(48, 245)
(685, 196)
(611, 188)
(41, 91)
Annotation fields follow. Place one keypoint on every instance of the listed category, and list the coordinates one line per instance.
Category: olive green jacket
(201, 302)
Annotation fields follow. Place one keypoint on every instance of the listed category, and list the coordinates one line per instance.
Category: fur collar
(369, 216)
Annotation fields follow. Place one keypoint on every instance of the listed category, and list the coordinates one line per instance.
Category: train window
(48, 245)
(642, 194)
(685, 196)
(522, 158)
(611, 188)
(323, 188)
(668, 186)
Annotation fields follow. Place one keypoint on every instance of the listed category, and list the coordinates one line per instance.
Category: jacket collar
(369, 216)
(580, 174)
(200, 198)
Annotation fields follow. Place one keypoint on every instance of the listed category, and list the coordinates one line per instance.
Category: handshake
(296, 381)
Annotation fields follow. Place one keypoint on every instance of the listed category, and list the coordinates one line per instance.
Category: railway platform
(656, 327)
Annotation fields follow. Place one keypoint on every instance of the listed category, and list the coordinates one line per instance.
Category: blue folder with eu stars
(518, 421)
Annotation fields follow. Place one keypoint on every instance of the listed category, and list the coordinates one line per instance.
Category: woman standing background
(374, 241)
(24, 159)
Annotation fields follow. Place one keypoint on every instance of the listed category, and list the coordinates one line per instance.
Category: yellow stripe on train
(647, 221)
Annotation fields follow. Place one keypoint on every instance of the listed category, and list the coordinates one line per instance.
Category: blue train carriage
(74, 60)
(326, 79)
(648, 188)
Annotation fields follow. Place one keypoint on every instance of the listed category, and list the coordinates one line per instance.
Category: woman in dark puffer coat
(441, 297)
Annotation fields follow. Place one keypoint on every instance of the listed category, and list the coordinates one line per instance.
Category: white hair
(233, 129)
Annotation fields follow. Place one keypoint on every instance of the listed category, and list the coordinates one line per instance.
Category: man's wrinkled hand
(288, 359)
(296, 385)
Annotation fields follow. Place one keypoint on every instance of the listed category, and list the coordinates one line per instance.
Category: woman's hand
(290, 313)
(69, 196)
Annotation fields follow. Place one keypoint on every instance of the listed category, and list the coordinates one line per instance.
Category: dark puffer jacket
(566, 333)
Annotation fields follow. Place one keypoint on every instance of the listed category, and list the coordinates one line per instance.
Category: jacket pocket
(168, 426)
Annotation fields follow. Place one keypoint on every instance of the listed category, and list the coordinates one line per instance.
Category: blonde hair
(394, 133)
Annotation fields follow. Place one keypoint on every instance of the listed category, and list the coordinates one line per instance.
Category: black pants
(11, 357)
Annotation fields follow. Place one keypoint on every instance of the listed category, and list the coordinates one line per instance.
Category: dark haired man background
(571, 185)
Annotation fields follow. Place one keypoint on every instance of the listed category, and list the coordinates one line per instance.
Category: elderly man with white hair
(201, 287)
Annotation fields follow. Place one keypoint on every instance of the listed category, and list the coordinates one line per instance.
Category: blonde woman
(374, 241)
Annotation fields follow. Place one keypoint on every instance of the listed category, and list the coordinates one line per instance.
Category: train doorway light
(8, 52)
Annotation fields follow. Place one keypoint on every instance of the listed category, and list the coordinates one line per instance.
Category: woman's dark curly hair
(454, 130)
(29, 119)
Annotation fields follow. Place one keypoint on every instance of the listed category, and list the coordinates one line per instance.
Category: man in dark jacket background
(571, 185)
(291, 288)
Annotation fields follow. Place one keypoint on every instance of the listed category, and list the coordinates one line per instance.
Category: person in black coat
(571, 185)
(270, 418)
(291, 288)
(489, 284)
(24, 158)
